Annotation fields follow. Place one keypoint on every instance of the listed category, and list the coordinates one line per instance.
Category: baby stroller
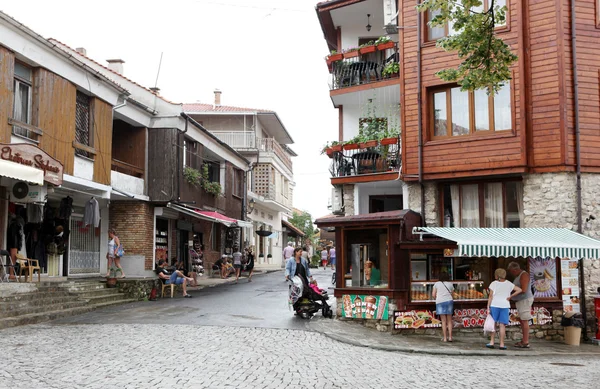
(305, 301)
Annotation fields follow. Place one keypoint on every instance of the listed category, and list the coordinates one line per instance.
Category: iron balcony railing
(270, 145)
(237, 139)
(365, 68)
(379, 158)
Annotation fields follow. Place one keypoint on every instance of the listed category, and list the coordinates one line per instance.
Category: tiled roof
(56, 41)
(198, 107)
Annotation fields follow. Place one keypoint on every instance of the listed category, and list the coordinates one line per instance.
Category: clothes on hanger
(13, 235)
(91, 213)
(35, 213)
(66, 208)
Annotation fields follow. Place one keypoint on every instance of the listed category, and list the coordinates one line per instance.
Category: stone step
(116, 302)
(96, 293)
(33, 318)
(37, 295)
(105, 299)
(82, 286)
(38, 309)
(43, 299)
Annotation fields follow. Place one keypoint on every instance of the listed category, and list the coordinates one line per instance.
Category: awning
(294, 229)
(21, 172)
(211, 216)
(517, 242)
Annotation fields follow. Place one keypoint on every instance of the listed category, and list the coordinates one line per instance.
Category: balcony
(367, 65)
(367, 162)
(237, 139)
(270, 145)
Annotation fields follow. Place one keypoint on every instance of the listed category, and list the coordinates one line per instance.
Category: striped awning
(517, 242)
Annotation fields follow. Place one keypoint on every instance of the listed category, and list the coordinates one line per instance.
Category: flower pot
(385, 46)
(333, 58)
(367, 49)
(351, 54)
(111, 282)
(336, 148)
(389, 141)
(371, 143)
(329, 152)
(351, 146)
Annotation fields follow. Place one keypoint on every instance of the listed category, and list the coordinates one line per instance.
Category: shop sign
(451, 253)
(569, 271)
(365, 307)
(542, 272)
(463, 318)
(33, 156)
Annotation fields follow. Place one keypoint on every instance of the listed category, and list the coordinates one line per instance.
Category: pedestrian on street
(332, 257)
(249, 263)
(111, 253)
(305, 253)
(501, 291)
(237, 263)
(444, 304)
(324, 258)
(298, 266)
(523, 301)
(288, 252)
(176, 277)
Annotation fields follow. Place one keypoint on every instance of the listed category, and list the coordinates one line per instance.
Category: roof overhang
(516, 242)
(275, 127)
(294, 231)
(378, 218)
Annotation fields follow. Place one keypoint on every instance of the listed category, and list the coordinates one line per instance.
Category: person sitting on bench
(176, 278)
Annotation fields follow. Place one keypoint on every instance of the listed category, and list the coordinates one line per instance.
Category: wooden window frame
(81, 149)
(497, 29)
(481, 190)
(238, 183)
(28, 124)
(472, 131)
(597, 6)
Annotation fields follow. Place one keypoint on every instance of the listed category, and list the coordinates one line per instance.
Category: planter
(367, 49)
(371, 143)
(111, 282)
(329, 152)
(351, 54)
(336, 148)
(351, 146)
(385, 46)
(333, 58)
(389, 141)
(263, 233)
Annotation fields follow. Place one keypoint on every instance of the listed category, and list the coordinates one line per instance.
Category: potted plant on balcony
(367, 48)
(391, 70)
(333, 57)
(384, 43)
(213, 188)
(351, 52)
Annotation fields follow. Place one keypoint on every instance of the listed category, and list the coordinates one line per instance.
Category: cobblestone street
(186, 356)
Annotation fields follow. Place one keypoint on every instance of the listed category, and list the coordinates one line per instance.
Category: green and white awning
(517, 242)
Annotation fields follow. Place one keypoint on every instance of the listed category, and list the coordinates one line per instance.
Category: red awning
(217, 217)
(212, 216)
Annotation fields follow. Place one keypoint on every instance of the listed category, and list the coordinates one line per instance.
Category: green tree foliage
(486, 59)
(303, 221)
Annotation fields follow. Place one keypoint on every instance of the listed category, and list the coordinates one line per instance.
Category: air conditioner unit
(22, 192)
(337, 207)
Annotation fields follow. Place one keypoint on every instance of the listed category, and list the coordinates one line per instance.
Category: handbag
(119, 252)
(451, 294)
(490, 324)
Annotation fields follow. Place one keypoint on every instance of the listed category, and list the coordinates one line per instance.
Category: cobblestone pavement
(189, 356)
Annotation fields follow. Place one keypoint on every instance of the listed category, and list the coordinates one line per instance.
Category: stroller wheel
(304, 315)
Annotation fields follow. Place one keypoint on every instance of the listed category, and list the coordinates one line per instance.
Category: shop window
(83, 123)
(457, 113)
(238, 183)
(366, 261)
(22, 100)
(437, 32)
(495, 205)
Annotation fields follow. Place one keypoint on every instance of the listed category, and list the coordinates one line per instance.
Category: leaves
(303, 221)
(486, 59)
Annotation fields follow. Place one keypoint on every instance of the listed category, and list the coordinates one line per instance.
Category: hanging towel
(92, 213)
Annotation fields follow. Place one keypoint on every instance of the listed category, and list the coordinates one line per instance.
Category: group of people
(328, 257)
(501, 293)
(228, 265)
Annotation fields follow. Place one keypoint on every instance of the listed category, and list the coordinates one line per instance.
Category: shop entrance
(84, 248)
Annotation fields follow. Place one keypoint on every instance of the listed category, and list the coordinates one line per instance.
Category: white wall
(363, 191)
(353, 113)
(83, 168)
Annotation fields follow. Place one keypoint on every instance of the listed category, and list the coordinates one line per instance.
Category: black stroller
(305, 301)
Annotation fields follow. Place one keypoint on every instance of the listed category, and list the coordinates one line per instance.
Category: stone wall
(134, 224)
(432, 216)
(591, 280)
(348, 193)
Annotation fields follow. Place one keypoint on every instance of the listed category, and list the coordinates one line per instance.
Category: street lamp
(368, 22)
(251, 205)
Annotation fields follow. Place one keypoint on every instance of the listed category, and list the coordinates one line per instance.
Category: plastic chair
(164, 286)
(28, 266)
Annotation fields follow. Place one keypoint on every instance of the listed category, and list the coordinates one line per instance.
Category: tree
(303, 221)
(486, 59)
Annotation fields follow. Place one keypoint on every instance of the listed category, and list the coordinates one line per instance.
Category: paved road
(132, 347)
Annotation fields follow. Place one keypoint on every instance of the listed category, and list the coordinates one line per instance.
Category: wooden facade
(162, 164)
(127, 155)
(7, 63)
(102, 141)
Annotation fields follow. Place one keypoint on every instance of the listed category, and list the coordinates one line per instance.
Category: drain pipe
(578, 158)
(179, 159)
(419, 116)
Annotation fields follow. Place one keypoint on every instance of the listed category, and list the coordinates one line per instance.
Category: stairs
(53, 300)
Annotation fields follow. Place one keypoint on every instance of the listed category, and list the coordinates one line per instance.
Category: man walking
(288, 252)
(332, 257)
(523, 300)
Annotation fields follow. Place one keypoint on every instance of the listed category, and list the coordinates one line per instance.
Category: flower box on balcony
(385, 46)
(367, 49)
(366, 145)
(336, 148)
(388, 141)
(351, 146)
(333, 58)
(351, 54)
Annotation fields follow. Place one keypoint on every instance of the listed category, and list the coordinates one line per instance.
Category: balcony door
(385, 203)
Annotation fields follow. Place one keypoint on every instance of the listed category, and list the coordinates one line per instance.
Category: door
(84, 248)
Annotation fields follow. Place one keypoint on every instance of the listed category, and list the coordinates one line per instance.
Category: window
(366, 263)
(238, 183)
(494, 204)
(456, 113)
(189, 153)
(83, 121)
(213, 171)
(22, 100)
(437, 32)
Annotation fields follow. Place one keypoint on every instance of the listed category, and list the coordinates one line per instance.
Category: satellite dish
(20, 190)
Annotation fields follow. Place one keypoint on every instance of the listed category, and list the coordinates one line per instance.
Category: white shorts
(524, 308)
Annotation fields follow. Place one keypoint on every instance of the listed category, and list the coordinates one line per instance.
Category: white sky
(259, 53)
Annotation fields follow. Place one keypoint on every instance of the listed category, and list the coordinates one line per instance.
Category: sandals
(489, 345)
(502, 347)
(521, 345)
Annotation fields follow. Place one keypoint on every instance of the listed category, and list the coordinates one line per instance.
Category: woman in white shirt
(501, 291)
(444, 304)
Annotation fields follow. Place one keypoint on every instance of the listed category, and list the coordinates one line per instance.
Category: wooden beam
(85, 148)
(34, 129)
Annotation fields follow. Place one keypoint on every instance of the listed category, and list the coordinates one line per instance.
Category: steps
(54, 300)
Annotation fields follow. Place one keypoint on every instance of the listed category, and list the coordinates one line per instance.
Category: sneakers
(188, 296)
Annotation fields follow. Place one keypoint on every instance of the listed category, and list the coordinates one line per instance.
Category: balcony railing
(364, 68)
(237, 139)
(269, 192)
(270, 145)
(378, 158)
(126, 168)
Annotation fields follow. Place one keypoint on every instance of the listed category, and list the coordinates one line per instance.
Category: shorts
(500, 315)
(524, 308)
(445, 308)
(175, 280)
(332, 261)
(235, 266)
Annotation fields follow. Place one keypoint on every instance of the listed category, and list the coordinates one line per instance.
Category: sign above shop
(30, 155)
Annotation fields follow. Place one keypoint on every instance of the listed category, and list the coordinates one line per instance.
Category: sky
(265, 54)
